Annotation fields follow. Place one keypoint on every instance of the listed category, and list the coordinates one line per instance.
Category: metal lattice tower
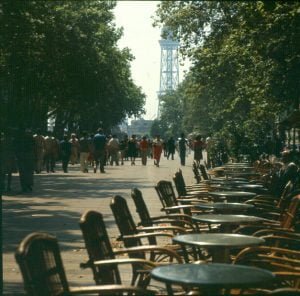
(169, 68)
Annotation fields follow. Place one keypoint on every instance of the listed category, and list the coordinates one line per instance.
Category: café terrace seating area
(234, 231)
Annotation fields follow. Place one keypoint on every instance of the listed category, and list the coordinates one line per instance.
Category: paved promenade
(58, 201)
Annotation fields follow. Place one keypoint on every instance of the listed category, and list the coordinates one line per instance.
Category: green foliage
(246, 66)
(157, 128)
(62, 57)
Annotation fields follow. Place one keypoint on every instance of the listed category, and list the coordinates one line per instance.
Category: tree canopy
(246, 66)
(60, 58)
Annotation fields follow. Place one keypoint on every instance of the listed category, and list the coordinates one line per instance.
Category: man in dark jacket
(65, 152)
(99, 145)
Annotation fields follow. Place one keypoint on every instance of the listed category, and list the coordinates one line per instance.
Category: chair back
(167, 197)
(287, 195)
(179, 183)
(282, 241)
(203, 172)
(125, 223)
(270, 258)
(291, 216)
(141, 207)
(166, 193)
(39, 259)
(98, 247)
(196, 172)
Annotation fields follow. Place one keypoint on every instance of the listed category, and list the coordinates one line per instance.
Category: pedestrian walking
(84, 148)
(171, 148)
(123, 148)
(8, 160)
(51, 152)
(65, 151)
(39, 151)
(74, 149)
(182, 145)
(113, 150)
(157, 146)
(132, 149)
(99, 147)
(198, 146)
(165, 148)
(25, 152)
(144, 150)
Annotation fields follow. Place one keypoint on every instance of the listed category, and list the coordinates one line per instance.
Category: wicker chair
(196, 190)
(171, 204)
(204, 172)
(269, 206)
(284, 263)
(181, 220)
(196, 172)
(39, 259)
(287, 222)
(102, 257)
(133, 236)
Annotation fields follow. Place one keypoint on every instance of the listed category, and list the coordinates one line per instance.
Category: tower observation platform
(169, 68)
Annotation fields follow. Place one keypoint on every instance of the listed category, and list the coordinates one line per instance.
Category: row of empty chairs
(148, 244)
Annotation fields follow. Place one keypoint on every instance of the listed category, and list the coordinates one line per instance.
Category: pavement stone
(58, 201)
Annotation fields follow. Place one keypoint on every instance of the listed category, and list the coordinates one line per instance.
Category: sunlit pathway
(58, 201)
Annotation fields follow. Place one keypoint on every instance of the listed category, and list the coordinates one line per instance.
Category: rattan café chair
(284, 263)
(133, 236)
(103, 259)
(39, 259)
(172, 204)
(181, 220)
(287, 222)
(189, 190)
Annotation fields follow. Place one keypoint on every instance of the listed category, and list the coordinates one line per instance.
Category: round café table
(232, 196)
(226, 181)
(225, 208)
(247, 175)
(219, 244)
(238, 165)
(212, 278)
(245, 187)
(239, 169)
(228, 222)
(255, 188)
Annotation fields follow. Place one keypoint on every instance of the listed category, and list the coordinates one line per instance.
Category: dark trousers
(65, 162)
(182, 157)
(49, 162)
(170, 153)
(26, 169)
(100, 158)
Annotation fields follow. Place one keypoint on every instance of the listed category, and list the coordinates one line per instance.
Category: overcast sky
(142, 38)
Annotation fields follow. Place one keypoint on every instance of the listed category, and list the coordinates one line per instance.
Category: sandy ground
(58, 201)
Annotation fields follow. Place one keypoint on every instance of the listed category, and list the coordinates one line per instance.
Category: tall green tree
(245, 65)
(60, 58)
(172, 109)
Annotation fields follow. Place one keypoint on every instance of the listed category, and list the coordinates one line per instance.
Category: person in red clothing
(198, 146)
(157, 147)
(144, 150)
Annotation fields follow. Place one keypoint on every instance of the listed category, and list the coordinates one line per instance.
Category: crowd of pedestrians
(31, 153)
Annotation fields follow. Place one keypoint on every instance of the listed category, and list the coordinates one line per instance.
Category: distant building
(124, 127)
(140, 127)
